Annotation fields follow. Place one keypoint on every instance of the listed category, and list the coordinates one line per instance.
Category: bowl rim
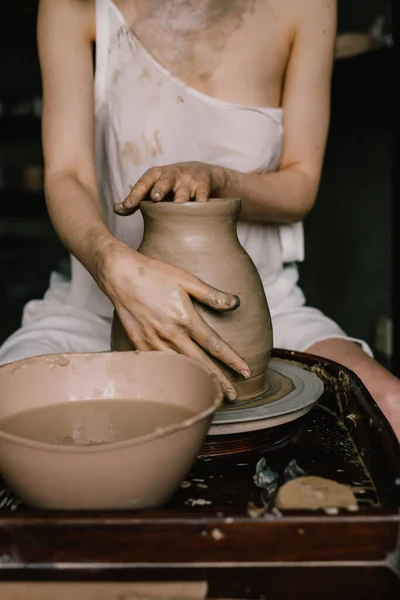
(157, 433)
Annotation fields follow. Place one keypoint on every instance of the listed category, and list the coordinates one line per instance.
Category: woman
(196, 98)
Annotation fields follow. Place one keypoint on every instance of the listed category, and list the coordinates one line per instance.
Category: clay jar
(202, 239)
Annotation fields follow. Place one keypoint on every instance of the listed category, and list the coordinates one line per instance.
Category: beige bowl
(137, 473)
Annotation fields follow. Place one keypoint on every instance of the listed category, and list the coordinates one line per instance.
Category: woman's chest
(233, 50)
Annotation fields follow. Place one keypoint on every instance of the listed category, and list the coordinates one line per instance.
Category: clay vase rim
(113, 446)
(214, 206)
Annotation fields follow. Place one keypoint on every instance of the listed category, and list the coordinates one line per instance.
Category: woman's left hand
(186, 181)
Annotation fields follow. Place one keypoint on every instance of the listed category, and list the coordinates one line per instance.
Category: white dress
(146, 117)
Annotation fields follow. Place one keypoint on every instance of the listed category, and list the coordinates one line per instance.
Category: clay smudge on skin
(179, 33)
(193, 15)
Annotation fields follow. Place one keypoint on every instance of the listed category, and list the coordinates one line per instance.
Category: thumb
(125, 208)
(129, 205)
(206, 294)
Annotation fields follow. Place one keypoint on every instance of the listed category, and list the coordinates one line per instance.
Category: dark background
(348, 268)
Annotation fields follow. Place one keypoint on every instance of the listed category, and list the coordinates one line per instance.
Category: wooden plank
(140, 541)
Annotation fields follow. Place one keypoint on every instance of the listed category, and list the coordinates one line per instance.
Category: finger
(162, 187)
(133, 330)
(182, 194)
(142, 338)
(205, 293)
(202, 193)
(186, 346)
(139, 191)
(212, 343)
(155, 342)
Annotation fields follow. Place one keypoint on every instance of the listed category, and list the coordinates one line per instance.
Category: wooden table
(218, 529)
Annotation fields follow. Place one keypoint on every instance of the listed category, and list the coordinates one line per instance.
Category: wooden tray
(217, 529)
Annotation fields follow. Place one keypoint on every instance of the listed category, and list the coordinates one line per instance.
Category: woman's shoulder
(295, 14)
(81, 11)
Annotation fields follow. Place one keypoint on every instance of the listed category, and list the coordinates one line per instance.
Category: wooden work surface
(219, 528)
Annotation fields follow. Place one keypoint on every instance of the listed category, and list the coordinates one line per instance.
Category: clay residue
(197, 502)
(187, 36)
(60, 360)
(116, 42)
(254, 511)
(132, 152)
(187, 17)
(149, 148)
(157, 148)
(217, 535)
(339, 385)
(206, 76)
(116, 75)
(315, 493)
(56, 360)
(19, 365)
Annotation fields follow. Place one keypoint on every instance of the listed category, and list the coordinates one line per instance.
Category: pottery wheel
(292, 393)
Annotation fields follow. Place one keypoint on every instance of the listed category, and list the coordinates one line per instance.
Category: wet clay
(202, 239)
(313, 493)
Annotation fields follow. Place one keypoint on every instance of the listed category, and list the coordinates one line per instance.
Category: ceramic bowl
(141, 472)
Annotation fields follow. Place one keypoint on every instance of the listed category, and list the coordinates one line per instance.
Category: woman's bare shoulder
(295, 14)
(313, 12)
(83, 11)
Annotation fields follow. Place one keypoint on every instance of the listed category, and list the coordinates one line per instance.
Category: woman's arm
(65, 34)
(156, 311)
(289, 194)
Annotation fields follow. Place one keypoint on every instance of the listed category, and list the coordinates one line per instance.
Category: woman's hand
(191, 180)
(153, 302)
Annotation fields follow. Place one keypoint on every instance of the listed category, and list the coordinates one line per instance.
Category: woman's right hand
(153, 302)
